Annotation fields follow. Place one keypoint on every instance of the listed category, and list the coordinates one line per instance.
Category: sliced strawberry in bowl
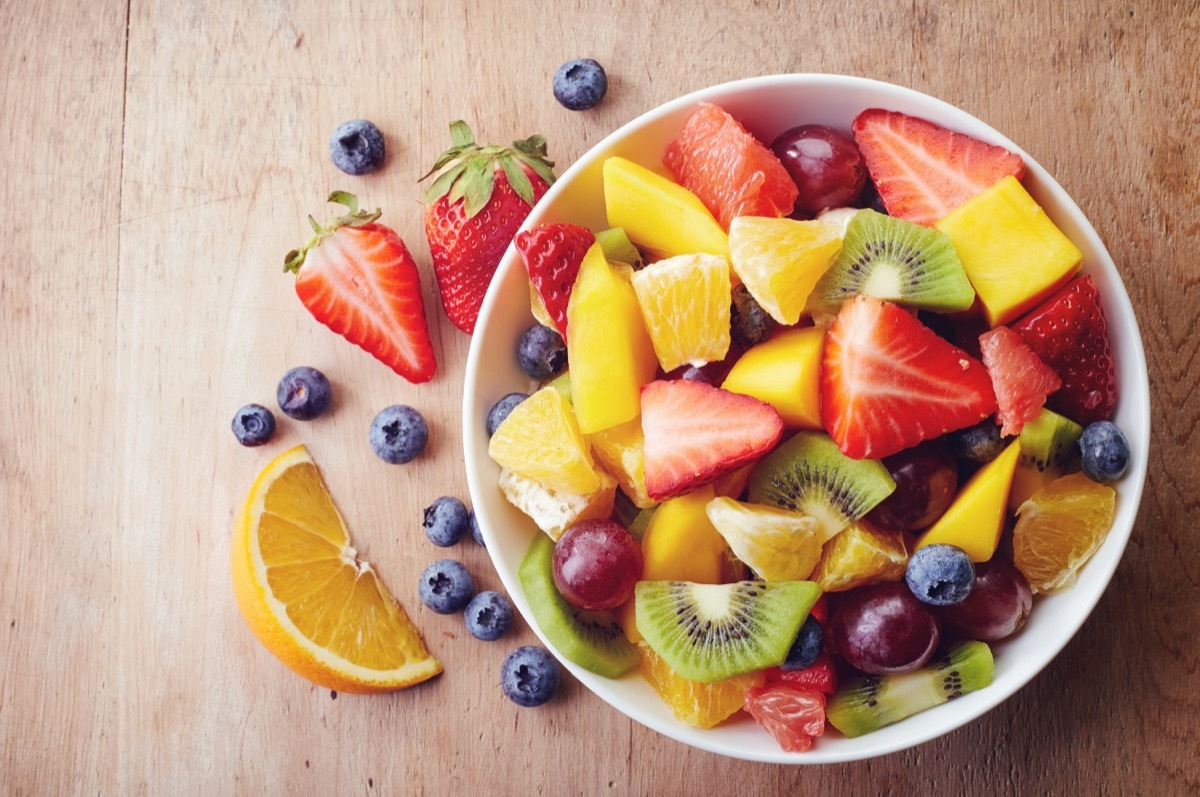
(888, 381)
(923, 171)
(552, 254)
(1019, 377)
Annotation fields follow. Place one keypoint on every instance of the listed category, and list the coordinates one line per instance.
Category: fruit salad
(811, 424)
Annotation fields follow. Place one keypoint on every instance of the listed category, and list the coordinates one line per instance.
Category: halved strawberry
(1070, 333)
(820, 677)
(923, 171)
(888, 382)
(1019, 378)
(793, 716)
(552, 254)
(357, 278)
(696, 432)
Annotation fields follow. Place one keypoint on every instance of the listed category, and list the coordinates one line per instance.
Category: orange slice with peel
(306, 595)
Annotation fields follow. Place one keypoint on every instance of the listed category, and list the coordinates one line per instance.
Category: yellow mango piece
(784, 372)
(609, 351)
(1012, 252)
(540, 440)
(685, 305)
(860, 555)
(778, 545)
(780, 260)
(621, 450)
(555, 512)
(976, 518)
(659, 214)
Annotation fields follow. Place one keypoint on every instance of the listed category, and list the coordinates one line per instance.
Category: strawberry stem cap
(353, 217)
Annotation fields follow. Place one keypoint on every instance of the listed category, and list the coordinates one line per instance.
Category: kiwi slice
(710, 632)
(894, 260)
(1049, 449)
(593, 640)
(871, 702)
(619, 249)
(810, 475)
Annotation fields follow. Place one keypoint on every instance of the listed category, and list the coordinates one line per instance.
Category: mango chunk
(785, 372)
(659, 214)
(1012, 252)
(975, 520)
(554, 512)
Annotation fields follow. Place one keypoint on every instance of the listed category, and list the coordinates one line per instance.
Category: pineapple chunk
(785, 372)
(659, 214)
(555, 512)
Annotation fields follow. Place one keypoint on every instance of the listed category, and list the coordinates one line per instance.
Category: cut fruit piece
(1059, 528)
(785, 372)
(810, 476)
(621, 450)
(562, 383)
(923, 171)
(1013, 254)
(732, 172)
(554, 512)
(308, 598)
(658, 214)
(552, 254)
(609, 351)
(681, 544)
(685, 306)
(540, 440)
(888, 381)
(696, 432)
(869, 703)
(733, 484)
(975, 520)
(619, 249)
(1049, 449)
(780, 260)
(1020, 379)
(792, 715)
(897, 261)
(698, 704)
(777, 545)
(710, 632)
(861, 555)
(593, 640)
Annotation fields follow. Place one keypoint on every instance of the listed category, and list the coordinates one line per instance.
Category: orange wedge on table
(306, 595)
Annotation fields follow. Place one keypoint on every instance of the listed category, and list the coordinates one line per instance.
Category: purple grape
(884, 630)
(825, 164)
(997, 606)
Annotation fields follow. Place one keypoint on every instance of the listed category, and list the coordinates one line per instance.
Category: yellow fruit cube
(609, 351)
(555, 512)
(621, 450)
(681, 544)
(778, 545)
(1012, 252)
(540, 440)
(780, 260)
(785, 372)
(659, 214)
(685, 305)
(860, 555)
(975, 520)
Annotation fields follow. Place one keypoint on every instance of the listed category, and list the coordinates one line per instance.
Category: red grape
(825, 165)
(596, 564)
(997, 606)
(926, 479)
(883, 630)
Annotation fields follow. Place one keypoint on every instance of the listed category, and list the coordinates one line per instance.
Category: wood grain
(161, 157)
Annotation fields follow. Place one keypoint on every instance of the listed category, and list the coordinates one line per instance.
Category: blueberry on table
(445, 521)
(446, 586)
(806, 647)
(253, 425)
(488, 615)
(356, 147)
(398, 434)
(580, 84)
(304, 393)
(940, 575)
(541, 352)
(1103, 452)
(501, 409)
(529, 676)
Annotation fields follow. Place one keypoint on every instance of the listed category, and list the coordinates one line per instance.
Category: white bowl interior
(767, 106)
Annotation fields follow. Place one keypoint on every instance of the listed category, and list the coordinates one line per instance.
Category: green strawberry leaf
(517, 179)
(461, 134)
(438, 188)
(479, 183)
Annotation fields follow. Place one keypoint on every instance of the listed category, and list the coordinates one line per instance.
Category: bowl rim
(1131, 486)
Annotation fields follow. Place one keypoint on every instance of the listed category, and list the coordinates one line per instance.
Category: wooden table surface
(159, 160)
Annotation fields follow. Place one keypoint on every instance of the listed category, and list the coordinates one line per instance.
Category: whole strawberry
(474, 208)
(357, 278)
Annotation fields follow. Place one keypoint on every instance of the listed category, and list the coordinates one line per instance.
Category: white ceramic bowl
(767, 106)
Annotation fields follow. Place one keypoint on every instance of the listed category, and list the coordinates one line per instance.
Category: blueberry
(580, 84)
(501, 409)
(253, 425)
(398, 434)
(446, 586)
(476, 532)
(356, 147)
(303, 393)
(940, 575)
(806, 647)
(748, 322)
(446, 521)
(529, 676)
(1103, 452)
(488, 615)
(541, 352)
(980, 443)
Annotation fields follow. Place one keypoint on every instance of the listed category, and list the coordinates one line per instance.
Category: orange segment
(697, 704)
(780, 260)
(861, 554)
(685, 305)
(540, 440)
(1059, 528)
(306, 595)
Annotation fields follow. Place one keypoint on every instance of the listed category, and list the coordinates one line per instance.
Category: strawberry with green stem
(474, 206)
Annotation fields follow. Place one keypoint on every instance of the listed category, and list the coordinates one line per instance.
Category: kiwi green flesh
(593, 640)
(810, 475)
(897, 261)
(710, 632)
(871, 702)
(619, 249)
(1048, 450)
(641, 522)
